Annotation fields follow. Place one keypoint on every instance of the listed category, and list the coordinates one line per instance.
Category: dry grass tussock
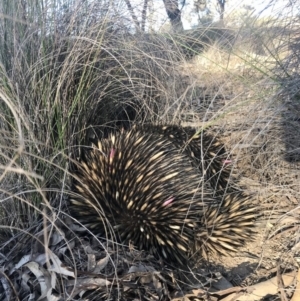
(63, 85)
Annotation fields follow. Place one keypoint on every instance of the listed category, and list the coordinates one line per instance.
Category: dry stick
(262, 289)
(281, 285)
(296, 296)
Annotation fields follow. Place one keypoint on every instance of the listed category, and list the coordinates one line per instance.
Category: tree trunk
(174, 14)
(133, 16)
(221, 4)
(144, 14)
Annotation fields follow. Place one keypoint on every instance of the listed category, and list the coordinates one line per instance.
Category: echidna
(205, 150)
(226, 227)
(138, 186)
